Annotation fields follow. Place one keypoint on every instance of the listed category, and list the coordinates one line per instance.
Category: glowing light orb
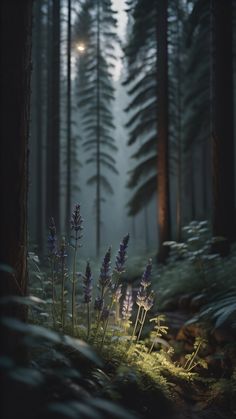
(81, 47)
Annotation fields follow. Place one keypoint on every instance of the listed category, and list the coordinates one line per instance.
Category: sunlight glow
(81, 47)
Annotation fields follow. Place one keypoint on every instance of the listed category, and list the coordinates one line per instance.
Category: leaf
(83, 348)
(31, 300)
(27, 376)
(34, 330)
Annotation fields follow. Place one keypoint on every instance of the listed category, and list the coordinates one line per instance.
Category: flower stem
(136, 324)
(73, 288)
(142, 323)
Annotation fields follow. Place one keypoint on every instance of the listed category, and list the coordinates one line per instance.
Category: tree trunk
(162, 126)
(222, 120)
(39, 126)
(15, 38)
(53, 134)
(68, 178)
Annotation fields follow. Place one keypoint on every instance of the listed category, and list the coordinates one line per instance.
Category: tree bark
(53, 131)
(68, 177)
(162, 127)
(15, 52)
(39, 126)
(222, 120)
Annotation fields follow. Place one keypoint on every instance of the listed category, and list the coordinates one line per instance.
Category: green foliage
(193, 359)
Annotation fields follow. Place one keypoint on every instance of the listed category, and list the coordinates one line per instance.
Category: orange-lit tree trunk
(222, 120)
(162, 126)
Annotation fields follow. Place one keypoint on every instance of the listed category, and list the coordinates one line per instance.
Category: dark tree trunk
(68, 177)
(15, 39)
(39, 125)
(53, 131)
(162, 126)
(179, 130)
(222, 120)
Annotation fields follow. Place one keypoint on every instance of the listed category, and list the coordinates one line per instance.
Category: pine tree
(96, 29)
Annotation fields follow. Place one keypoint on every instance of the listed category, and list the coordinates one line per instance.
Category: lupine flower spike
(76, 227)
(121, 256)
(127, 307)
(147, 305)
(119, 269)
(145, 281)
(142, 295)
(105, 273)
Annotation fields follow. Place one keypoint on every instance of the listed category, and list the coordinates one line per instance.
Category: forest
(118, 211)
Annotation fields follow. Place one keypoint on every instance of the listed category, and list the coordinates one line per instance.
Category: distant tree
(68, 154)
(38, 106)
(15, 42)
(146, 68)
(95, 28)
(222, 120)
(196, 103)
(140, 52)
(53, 113)
(163, 129)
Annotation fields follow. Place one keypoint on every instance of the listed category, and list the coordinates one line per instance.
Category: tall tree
(222, 120)
(95, 28)
(140, 52)
(68, 169)
(163, 129)
(15, 39)
(196, 102)
(53, 131)
(39, 121)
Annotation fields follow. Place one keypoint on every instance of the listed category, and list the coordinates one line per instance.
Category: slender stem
(136, 324)
(142, 323)
(73, 286)
(106, 323)
(194, 356)
(98, 324)
(53, 288)
(62, 293)
(156, 335)
(88, 320)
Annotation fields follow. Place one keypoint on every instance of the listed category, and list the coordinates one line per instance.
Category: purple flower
(76, 222)
(105, 272)
(52, 237)
(127, 305)
(141, 297)
(121, 256)
(148, 303)
(98, 304)
(118, 294)
(145, 281)
(87, 286)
